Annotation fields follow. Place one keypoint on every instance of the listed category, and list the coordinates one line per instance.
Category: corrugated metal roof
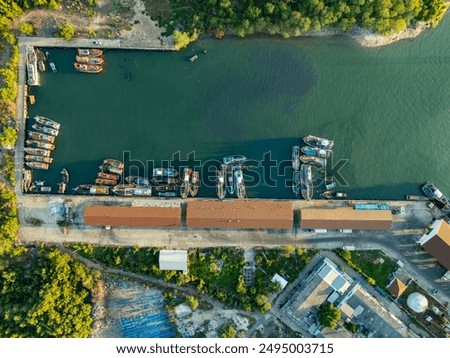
(132, 216)
(345, 218)
(252, 214)
(439, 245)
(173, 260)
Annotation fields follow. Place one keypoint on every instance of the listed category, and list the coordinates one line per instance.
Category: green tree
(192, 302)
(329, 316)
(66, 31)
(182, 39)
(227, 331)
(8, 137)
(27, 28)
(263, 303)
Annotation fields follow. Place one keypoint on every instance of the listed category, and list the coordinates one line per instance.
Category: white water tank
(417, 302)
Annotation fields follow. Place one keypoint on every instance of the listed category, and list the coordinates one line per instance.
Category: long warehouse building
(132, 216)
(345, 218)
(239, 214)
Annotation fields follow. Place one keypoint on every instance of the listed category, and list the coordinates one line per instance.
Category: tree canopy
(329, 316)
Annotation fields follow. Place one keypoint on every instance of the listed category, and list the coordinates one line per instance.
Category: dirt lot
(127, 20)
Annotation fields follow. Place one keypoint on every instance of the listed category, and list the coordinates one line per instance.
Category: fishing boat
(65, 175)
(193, 58)
(165, 172)
(89, 60)
(123, 189)
(166, 188)
(296, 182)
(316, 152)
(37, 165)
(306, 184)
(295, 157)
(62, 187)
(239, 183)
(92, 189)
(50, 62)
(140, 181)
(45, 130)
(221, 190)
(37, 158)
(186, 183)
(432, 192)
(329, 194)
(314, 141)
(40, 60)
(230, 181)
(83, 67)
(108, 176)
(37, 151)
(47, 122)
(145, 190)
(93, 52)
(37, 144)
(32, 68)
(195, 183)
(167, 193)
(329, 183)
(41, 137)
(319, 162)
(101, 181)
(234, 159)
(113, 166)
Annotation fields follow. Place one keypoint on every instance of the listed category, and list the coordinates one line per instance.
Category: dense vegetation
(329, 316)
(217, 272)
(47, 297)
(295, 17)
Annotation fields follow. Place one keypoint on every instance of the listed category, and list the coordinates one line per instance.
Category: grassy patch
(370, 263)
(156, 8)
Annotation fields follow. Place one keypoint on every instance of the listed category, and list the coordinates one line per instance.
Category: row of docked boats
(164, 182)
(89, 60)
(40, 143)
(230, 177)
(315, 154)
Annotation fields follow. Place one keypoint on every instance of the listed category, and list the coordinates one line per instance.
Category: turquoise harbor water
(387, 109)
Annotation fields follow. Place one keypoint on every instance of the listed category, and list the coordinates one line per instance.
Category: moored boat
(40, 60)
(186, 183)
(296, 182)
(165, 172)
(316, 152)
(83, 67)
(92, 189)
(139, 181)
(234, 159)
(329, 194)
(221, 190)
(93, 52)
(166, 188)
(239, 183)
(113, 166)
(41, 137)
(124, 189)
(109, 176)
(62, 187)
(230, 181)
(38, 144)
(37, 151)
(37, 165)
(45, 130)
(37, 158)
(316, 161)
(47, 122)
(306, 185)
(50, 62)
(193, 58)
(31, 65)
(89, 60)
(145, 190)
(195, 183)
(65, 175)
(295, 157)
(101, 181)
(314, 141)
(431, 191)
